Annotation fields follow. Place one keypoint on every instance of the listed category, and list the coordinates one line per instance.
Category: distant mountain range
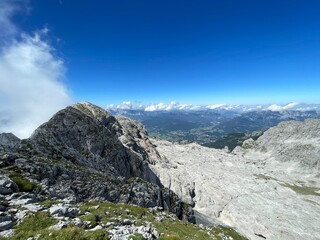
(217, 127)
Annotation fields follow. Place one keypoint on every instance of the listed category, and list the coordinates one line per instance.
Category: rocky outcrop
(265, 190)
(8, 141)
(134, 136)
(84, 153)
(7, 186)
(87, 135)
(293, 144)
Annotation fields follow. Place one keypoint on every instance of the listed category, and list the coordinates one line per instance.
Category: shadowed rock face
(84, 153)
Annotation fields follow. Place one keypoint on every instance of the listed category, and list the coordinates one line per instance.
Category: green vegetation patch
(73, 233)
(220, 232)
(33, 224)
(137, 237)
(104, 211)
(37, 224)
(303, 190)
(178, 230)
(23, 183)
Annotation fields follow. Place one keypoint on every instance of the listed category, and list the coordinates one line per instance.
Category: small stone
(20, 215)
(59, 225)
(60, 210)
(98, 227)
(94, 207)
(34, 207)
(6, 225)
(127, 211)
(13, 210)
(7, 233)
(108, 224)
(155, 233)
(128, 222)
(77, 222)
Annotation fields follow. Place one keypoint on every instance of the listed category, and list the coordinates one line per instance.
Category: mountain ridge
(83, 153)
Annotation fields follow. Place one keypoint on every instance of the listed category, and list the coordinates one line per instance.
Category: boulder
(7, 186)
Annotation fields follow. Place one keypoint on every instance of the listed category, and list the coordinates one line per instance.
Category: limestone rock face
(84, 153)
(135, 137)
(8, 141)
(293, 144)
(90, 136)
(268, 189)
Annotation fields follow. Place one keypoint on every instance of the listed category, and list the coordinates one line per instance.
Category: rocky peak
(92, 111)
(85, 153)
(92, 137)
(8, 141)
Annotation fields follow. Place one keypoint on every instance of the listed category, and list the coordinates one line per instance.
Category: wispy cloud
(31, 77)
(6, 12)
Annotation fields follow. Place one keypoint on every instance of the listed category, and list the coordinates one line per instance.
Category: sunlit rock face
(266, 189)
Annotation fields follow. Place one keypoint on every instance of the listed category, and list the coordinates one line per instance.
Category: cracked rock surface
(268, 189)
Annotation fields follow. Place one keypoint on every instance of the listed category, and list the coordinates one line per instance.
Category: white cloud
(173, 106)
(156, 107)
(214, 106)
(31, 90)
(126, 105)
(290, 106)
(170, 107)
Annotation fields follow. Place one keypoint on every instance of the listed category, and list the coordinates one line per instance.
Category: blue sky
(196, 52)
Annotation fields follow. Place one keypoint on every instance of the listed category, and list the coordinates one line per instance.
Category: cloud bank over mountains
(174, 106)
(31, 76)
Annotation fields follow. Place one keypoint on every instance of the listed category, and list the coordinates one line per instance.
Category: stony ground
(262, 198)
(31, 216)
